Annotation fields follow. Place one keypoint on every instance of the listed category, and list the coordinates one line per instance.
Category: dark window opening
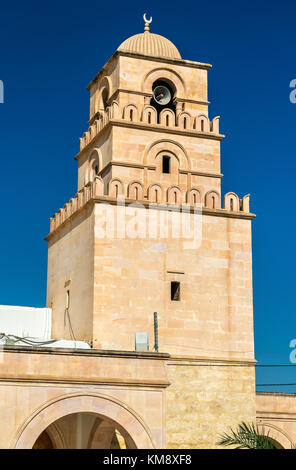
(67, 299)
(105, 98)
(175, 290)
(166, 164)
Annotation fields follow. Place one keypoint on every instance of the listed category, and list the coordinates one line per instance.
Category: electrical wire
(26, 340)
(33, 342)
(67, 315)
(275, 365)
(256, 351)
(275, 385)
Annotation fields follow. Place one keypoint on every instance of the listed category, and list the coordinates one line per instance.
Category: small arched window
(166, 163)
(105, 98)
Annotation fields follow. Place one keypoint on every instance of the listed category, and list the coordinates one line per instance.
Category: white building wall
(25, 321)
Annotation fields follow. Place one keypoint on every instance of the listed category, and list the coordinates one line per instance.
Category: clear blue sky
(51, 50)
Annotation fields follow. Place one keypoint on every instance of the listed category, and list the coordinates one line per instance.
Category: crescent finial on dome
(147, 22)
(150, 43)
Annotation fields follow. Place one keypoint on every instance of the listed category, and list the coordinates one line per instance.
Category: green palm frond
(246, 436)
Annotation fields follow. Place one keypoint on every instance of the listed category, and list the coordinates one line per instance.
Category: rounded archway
(98, 411)
(43, 441)
(277, 435)
(84, 431)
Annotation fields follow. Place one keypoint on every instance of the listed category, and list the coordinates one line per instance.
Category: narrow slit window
(175, 291)
(166, 164)
(67, 299)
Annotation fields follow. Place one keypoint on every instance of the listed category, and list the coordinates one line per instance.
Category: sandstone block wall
(205, 399)
(70, 268)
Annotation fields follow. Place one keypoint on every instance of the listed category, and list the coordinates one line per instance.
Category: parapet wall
(156, 194)
(147, 115)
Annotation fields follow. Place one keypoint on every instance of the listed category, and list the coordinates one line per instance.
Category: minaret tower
(150, 141)
(151, 155)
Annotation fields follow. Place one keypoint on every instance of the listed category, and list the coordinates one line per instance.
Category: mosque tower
(151, 152)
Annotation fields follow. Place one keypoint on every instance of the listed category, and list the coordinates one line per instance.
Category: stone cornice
(177, 359)
(175, 207)
(149, 127)
(151, 167)
(167, 60)
(228, 214)
(112, 381)
(180, 62)
(149, 95)
(84, 352)
(166, 129)
(201, 173)
(89, 366)
(280, 394)
(125, 164)
(148, 204)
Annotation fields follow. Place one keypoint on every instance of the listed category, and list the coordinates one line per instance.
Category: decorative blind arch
(155, 193)
(212, 200)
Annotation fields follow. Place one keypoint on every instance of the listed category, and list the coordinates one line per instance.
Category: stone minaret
(151, 148)
(151, 142)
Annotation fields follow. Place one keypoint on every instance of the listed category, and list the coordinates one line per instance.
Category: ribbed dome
(152, 44)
